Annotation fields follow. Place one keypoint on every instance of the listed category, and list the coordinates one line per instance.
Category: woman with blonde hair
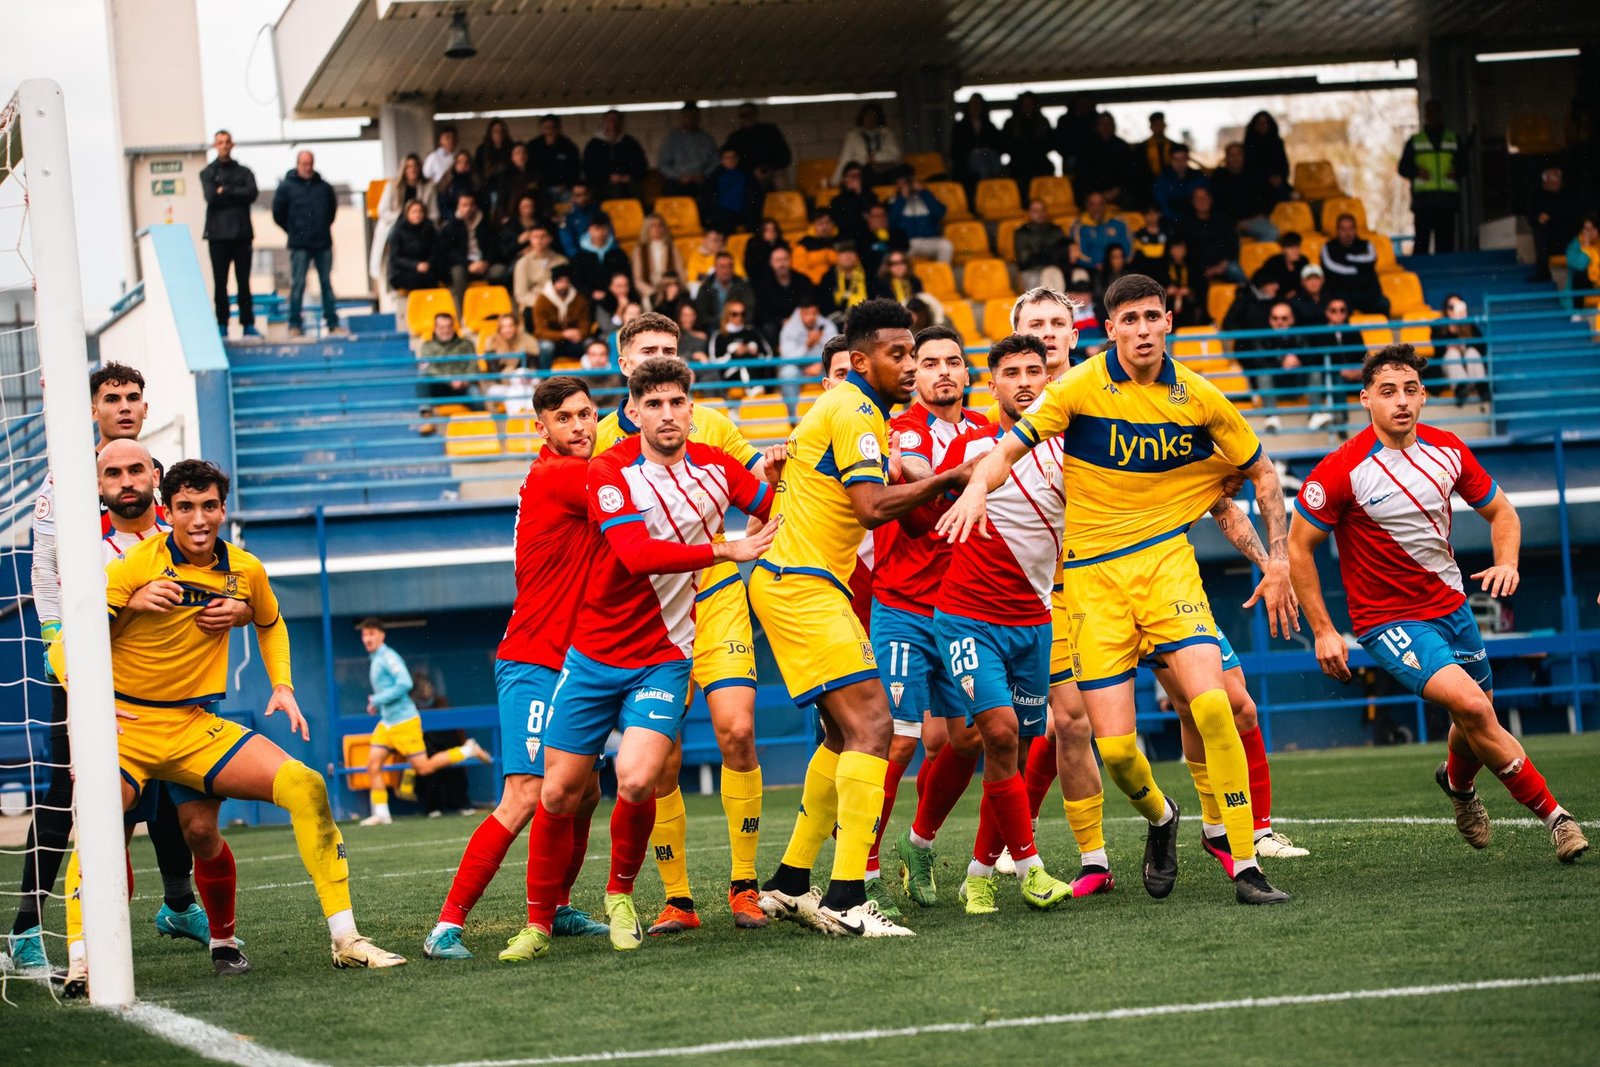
(408, 185)
(654, 257)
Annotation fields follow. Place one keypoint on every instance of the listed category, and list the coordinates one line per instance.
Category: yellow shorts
(1151, 600)
(189, 746)
(816, 638)
(724, 650)
(402, 738)
(1060, 638)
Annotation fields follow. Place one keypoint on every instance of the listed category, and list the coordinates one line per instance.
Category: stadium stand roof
(347, 57)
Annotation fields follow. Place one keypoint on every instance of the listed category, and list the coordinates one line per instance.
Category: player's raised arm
(1505, 538)
(1332, 656)
(967, 513)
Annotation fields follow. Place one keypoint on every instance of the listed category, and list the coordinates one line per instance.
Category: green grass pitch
(1377, 906)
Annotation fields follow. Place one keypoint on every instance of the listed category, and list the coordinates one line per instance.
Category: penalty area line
(205, 1039)
(758, 1044)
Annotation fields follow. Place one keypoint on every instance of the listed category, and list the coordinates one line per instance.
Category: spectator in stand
(443, 157)
(616, 296)
(1213, 242)
(1114, 266)
(654, 257)
(1074, 131)
(1343, 360)
(779, 290)
(703, 258)
(597, 357)
(731, 197)
(562, 317)
(1153, 156)
(516, 232)
(1242, 196)
(721, 286)
(1080, 287)
(555, 159)
(515, 181)
(921, 215)
(612, 323)
(923, 314)
(448, 363)
(303, 207)
(670, 295)
(1429, 162)
(403, 188)
(1553, 218)
(871, 144)
(1265, 158)
(846, 284)
(613, 162)
(897, 282)
(1350, 262)
(1041, 247)
(802, 337)
(1288, 265)
(850, 205)
(1583, 258)
(470, 248)
(1182, 300)
(758, 251)
(688, 154)
(693, 344)
(1149, 244)
(459, 182)
(761, 146)
(976, 145)
(494, 152)
(1028, 134)
(816, 252)
(1096, 230)
(737, 341)
(882, 238)
(413, 252)
(230, 190)
(599, 258)
(1310, 296)
(533, 269)
(1105, 164)
(581, 210)
(1290, 379)
(515, 346)
(1251, 305)
(1460, 347)
(1173, 189)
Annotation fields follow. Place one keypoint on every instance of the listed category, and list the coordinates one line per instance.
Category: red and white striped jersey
(115, 543)
(658, 523)
(554, 551)
(1389, 511)
(906, 575)
(1008, 580)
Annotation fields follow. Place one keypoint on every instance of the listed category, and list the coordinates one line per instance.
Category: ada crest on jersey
(868, 444)
(1315, 496)
(1177, 393)
(1410, 660)
(969, 687)
(230, 585)
(609, 499)
(896, 691)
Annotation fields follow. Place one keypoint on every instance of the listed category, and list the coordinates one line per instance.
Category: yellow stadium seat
(1294, 216)
(1386, 264)
(979, 398)
(788, 208)
(1375, 331)
(471, 435)
(953, 197)
(1056, 192)
(986, 278)
(824, 197)
(484, 304)
(812, 174)
(422, 305)
(925, 164)
(958, 313)
(1335, 206)
(997, 315)
(1252, 255)
(884, 193)
(357, 751)
(680, 214)
(1404, 290)
(1005, 238)
(375, 190)
(1133, 220)
(1419, 337)
(1219, 298)
(522, 438)
(1195, 344)
(937, 278)
(736, 246)
(998, 199)
(1314, 179)
(1531, 133)
(1311, 247)
(764, 421)
(970, 239)
(627, 217)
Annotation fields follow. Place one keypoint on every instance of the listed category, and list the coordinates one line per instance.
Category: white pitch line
(212, 1042)
(757, 1044)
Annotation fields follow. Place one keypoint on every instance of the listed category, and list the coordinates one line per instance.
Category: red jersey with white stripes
(554, 551)
(907, 572)
(658, 523)
(1008, 579)
(1389, 510)
(115, 543)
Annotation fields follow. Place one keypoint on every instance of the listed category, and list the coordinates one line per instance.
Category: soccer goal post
(34, 129)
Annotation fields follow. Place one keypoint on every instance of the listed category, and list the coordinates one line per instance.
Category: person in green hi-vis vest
(1432, 163)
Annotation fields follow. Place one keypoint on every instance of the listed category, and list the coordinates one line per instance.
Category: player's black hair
(195, 475)
(1131, 287)
(831, 348)
(1010, 346)
(1388, 356)
(936, 333)
(868, 317)
(114, 374)
(554, 391)
(372, 622)
(656, 372)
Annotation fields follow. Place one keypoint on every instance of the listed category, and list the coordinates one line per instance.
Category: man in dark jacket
(554, 158)
(779, 290)
(762, 149)
(613, 162)
(230, 189)
(303, 207)
(470, 246)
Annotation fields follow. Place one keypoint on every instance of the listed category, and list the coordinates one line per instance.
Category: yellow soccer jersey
(842, 440)
(164, 660)
(1142, 462)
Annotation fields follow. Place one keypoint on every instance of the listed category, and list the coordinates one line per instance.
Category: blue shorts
(1413, 652)
(524, 691)
(590, 699)
(909, 663)
(994, 666)
(1230, 658)
(144, 808)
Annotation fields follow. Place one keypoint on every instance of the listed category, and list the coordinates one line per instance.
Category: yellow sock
(301, 792)
(456, 755)
(819, 807)
(859, 781)
(1228, 769)
(1209, 812)
(741, 804)
(380, 796)
(1131, 771)
(1087, 819)
(668, 842)
(74, 900)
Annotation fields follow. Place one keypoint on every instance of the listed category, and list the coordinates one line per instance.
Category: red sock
(922, 774)
(1040, 773)
(127, 859)
(1008, 800)
(1255, 755)
(948, 778)
(549, 853)
(580, 848)
(486, 849)
(987, 845)
(630, 837)
(891, 786)
(1524, 782)
(1461, 770)
(216, 884)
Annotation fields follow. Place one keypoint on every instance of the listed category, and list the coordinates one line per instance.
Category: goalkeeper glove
(49, 631)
